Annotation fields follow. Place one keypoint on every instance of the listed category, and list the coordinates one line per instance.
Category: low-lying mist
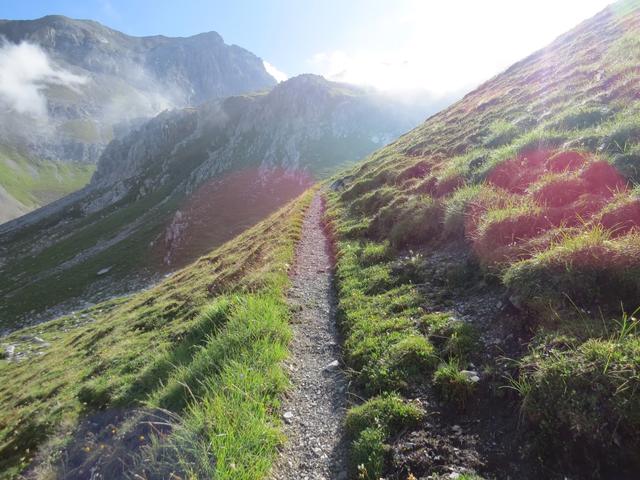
(45, 106)
(26, 71)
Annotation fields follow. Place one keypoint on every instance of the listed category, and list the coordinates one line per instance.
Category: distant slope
(489, 267)
(26, 184)
(96, 83)
(186, 181)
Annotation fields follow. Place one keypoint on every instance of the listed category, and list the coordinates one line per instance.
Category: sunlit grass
(205, 342)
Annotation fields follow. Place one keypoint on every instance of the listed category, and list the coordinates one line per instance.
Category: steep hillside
(177, 381)
(489, 269)
(78, 84)
(183, 183)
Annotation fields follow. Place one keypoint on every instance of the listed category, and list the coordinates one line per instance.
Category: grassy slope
(555, 228)
(34, 183)
(33, 281)
(218, 330)
(26, 291)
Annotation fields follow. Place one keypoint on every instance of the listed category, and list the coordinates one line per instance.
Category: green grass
(458, 208)
(391, 343)
(501, 133)
(628, 163)
(624, 53)
(373, 253)
(371, 425)
(586, 395)
(581, 117)
(453, 384)
(34, 182)
(229, 392)
(383, 343)
(218, 330)
(455, 339)
(408, 220)
(590, 268)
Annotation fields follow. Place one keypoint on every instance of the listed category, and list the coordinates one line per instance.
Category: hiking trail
(313, 410)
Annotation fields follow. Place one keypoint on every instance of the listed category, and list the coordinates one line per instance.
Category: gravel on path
(314, 408)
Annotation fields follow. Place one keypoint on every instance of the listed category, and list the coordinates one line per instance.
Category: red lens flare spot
(544, 191)
(224, 207)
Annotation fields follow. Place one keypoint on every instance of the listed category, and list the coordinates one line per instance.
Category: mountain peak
(308, 82)
(212, 36)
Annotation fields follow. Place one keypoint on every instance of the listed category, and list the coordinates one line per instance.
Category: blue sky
(439, 46)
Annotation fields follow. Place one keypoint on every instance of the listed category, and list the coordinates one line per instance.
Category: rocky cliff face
(306, 125)
(192, 69)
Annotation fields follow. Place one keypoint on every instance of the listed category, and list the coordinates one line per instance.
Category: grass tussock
(501, 133)
(453, 383)
(462, 206)
(585, 397)
(371, 425)
(407, 221)
(590, 268)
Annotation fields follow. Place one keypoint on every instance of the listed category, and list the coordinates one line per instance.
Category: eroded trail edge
(315, 406)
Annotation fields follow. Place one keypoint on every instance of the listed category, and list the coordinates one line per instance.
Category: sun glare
(446, 47)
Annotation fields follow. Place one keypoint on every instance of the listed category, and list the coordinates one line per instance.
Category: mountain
(192, 69)
(185, 181)
(70, 86)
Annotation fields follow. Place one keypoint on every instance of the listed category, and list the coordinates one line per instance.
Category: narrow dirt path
(314, 408)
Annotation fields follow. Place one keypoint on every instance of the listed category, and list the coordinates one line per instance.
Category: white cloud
(386, 70)
(274, 72)
(448, 46)
(25, 72)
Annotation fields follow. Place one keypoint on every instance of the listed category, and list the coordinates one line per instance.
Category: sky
(441, 47)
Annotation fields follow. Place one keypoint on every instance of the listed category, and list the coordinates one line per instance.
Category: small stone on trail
(471, 375)
(517, 302)
(333, 365)
(288, 417)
